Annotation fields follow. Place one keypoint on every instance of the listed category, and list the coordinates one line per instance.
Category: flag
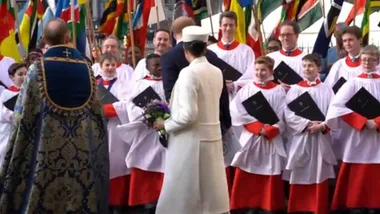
(48, 15)
(64, 12)
(266, 7)
(140, 23)
(357, 9)
(28, 26)
(365, 23)
(321, 45)
(238, 6)
(8, 46)
(200, 10)
(310, 13)
(183, 8)
(254, 37)
(122, 23)
(112, 10)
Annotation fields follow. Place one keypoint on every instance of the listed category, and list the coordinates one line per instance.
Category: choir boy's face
(262, 72)
(288, 37)
(369, 63)
(110, 45)
(228, 27)
(161, 42)
(19, 76)
(351, 43)
(310, 70)
(109, 68)
(154, 67)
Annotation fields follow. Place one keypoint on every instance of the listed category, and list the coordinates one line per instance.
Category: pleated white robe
(310, 156)
(6, 117)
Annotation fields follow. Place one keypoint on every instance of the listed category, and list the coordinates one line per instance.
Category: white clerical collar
(178, 41)
(354, 57)
(289, 50)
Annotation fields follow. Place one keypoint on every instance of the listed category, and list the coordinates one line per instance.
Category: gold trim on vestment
(44, 92)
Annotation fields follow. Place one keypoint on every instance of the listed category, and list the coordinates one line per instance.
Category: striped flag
(365, 23)
(309, 13)
(112, 10)
(321, 45)
(8, 44)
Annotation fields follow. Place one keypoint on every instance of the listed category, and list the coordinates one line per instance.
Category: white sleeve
(187, 105)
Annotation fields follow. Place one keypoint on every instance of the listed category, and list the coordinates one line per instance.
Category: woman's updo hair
(196, 48)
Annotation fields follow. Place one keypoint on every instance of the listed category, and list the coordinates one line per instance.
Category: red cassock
(253, 191)
(358, 184)
(309, 198)
(145, 187)
(119, 189)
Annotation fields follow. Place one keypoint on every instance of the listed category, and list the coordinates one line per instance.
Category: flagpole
(157, 15)
(73, 24)
(131, 32)
(209, 11)
(15, 8)
(258, 27)
(355, 10)
(91, 34)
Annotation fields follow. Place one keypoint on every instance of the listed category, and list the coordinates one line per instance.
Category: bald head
(56, 32)
(180, 23)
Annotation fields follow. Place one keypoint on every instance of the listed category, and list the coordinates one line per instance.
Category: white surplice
(117, 148)
(342, 69)
(257, 154)
(195, 180)
(5, 122)
(124, 72)
(359, 146)
(140, 71)
(146, 151)
(310, 156)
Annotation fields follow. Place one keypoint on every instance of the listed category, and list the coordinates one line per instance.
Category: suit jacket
(174, 61)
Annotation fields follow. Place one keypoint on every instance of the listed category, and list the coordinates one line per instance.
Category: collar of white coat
(226, 42)
(199, 60)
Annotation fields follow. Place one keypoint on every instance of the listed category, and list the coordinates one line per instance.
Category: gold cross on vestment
(67, 52)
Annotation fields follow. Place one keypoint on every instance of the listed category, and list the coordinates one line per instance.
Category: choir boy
(17, 72)
(238, 55)
(349, 66)
(357, 105)
(112, 45)
(310, 156)
(146, 155)
(116, 114)
(260, 161)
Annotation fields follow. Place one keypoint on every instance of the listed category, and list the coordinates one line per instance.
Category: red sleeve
(271, 132)
(109, 111)
(327, 129)
(377, 121)
(355, 120)
(254, 127)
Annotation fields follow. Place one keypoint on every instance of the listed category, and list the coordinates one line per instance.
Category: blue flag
(322, 43)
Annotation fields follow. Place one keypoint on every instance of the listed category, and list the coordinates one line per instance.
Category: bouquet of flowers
(157, 110)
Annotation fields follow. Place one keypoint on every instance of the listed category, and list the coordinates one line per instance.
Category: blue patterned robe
(57, 155)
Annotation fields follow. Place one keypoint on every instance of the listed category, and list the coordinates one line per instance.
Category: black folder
(145, 97)
(364, 104)
(10, 104)
(339, 84)
(229, 73)
(258, 107)
(305, 107)
(106, 96)
(286, 74)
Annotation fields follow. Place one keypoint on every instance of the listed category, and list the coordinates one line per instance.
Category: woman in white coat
(195, 180)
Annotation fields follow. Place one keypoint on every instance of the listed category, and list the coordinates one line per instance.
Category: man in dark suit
(173, 61)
